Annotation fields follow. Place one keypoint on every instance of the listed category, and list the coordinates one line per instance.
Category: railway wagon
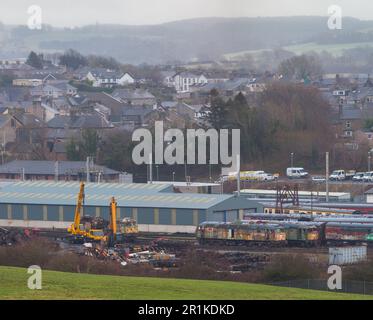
(357, 233)
(358, 208)
(310, 210)
(241, 233)
(345, 219)
(278, 216)
(305, 234)
(363, 218)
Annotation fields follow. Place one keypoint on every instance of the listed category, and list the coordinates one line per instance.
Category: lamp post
(292, 159)
(173, 176)
(185, 170)
(369, 160)
(157, 172)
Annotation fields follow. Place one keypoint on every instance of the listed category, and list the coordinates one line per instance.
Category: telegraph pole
(292, 159)
(327, 176)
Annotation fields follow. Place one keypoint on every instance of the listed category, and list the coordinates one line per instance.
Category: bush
(359, 272)
(289, 267)
(36, 252)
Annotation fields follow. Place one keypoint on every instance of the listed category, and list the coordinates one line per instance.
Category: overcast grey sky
(80, 12)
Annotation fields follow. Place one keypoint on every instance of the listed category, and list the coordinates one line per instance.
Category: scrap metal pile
(242, 261)
(151, 255)
(13, 236)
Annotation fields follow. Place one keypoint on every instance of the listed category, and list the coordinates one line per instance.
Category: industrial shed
(156, 208)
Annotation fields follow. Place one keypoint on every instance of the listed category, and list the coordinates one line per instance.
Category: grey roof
(64, 86)
(29, 120)
(188, 74)
(90, 121)
(59, 122)
(99, 194)
(81, 121)
(16, 93)
(351, 114)
(77, 100)
(234, 84)
(106, 73)
(130, 94)
(169, 104)
(136, 111)
(48, 167)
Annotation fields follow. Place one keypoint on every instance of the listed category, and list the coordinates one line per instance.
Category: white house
(109, 78)
(168, 78)
(184, 80)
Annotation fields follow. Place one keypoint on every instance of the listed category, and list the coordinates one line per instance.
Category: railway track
(183, 241)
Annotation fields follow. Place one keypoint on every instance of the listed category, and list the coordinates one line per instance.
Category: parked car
(296, 173)
(339, 175)
(318, 178)
(252, 176)
(266, 177)
(368, 176)
(359, 176)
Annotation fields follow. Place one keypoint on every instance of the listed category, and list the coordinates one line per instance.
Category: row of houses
(351, 99)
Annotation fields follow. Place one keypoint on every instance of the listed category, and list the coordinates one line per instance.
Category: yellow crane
(76, 228)
(119, 232)
(80, 232)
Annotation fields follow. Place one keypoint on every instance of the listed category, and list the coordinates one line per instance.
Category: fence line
(348, 286)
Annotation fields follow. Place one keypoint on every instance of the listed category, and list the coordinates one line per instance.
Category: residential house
(30, 129)
(185, 80)
(133, 117)
(115, 105)
(56, 90)
(109, 78)
(8, 126)
(27, 82)
(228, 88)
(61, 129)
(135, 97)
(56, 170)
(168, 78)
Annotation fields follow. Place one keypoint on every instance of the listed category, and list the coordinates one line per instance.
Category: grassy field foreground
(59, 285)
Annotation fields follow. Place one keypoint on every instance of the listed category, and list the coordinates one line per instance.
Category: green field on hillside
(59, 285)
(334, 49)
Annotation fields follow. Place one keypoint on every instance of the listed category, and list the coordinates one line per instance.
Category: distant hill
(186, 40)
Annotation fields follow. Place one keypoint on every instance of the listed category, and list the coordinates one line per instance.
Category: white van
(296, 173)
(338, 175)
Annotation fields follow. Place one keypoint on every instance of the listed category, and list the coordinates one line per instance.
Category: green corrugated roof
(127, 195)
